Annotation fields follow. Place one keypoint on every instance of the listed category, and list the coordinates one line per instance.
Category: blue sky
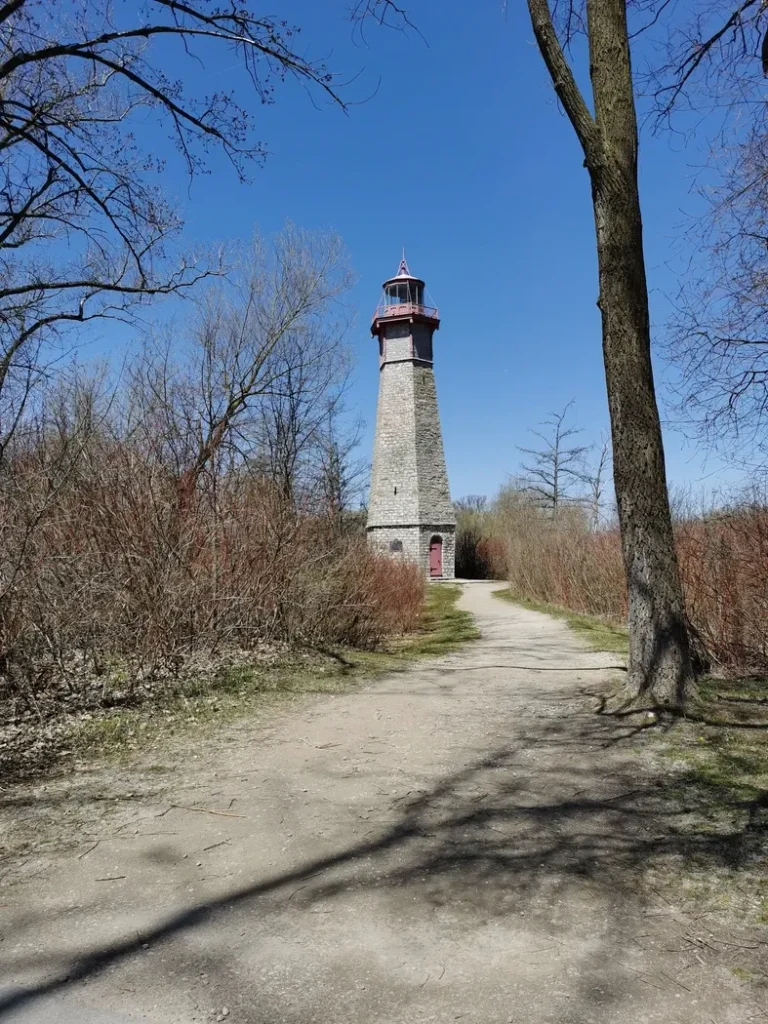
(457, 151)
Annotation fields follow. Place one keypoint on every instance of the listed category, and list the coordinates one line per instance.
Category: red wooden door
(436, 557)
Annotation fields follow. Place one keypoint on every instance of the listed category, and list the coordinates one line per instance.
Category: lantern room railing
(405, 309)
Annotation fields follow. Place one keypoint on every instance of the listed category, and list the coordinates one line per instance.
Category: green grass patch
(730, 766)
(723, 740)
(199, 703)
(253, 690)
(444, 627)
(599, 634)
(717, 781)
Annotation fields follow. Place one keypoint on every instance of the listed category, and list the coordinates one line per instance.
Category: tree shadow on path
(561, 811)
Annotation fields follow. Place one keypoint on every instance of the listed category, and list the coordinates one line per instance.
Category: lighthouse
(410, 515)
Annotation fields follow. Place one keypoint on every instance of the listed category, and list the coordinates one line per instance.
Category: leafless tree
(557, 466)
(659, 658)
(714, 55)
(85, 232)
(473, 519)
(265, 354)
(297, 419)
(719, 334)
(43, 459)
(139, 521)
(338, 474)
(472, 503)
(596, 479)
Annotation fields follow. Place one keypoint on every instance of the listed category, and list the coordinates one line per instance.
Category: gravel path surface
(463, 841)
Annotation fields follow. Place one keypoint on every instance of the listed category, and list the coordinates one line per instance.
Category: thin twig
(207, 810)
(213, 846)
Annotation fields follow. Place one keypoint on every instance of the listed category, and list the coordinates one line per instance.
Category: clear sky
(455, 149)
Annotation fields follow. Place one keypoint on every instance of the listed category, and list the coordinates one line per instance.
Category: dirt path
(461, 842)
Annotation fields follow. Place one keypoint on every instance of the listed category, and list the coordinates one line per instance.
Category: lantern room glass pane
(397, 294)
(404, 292)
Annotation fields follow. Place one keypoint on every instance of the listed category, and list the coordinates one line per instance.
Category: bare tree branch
(84, 227)
(564, 81)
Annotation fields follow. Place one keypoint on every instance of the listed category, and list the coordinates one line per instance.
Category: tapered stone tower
(410, 514)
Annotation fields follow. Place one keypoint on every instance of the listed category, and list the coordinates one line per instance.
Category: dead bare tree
(556, 466)
(43, 458)
(659, 657)
(595, 477)
(715, 52)
(102, 565)
(473, 521)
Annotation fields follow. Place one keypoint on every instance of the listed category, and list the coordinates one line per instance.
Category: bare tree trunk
(659, 654)
(595, 480)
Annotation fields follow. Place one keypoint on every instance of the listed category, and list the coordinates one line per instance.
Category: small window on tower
(395, 490)
(395, 545)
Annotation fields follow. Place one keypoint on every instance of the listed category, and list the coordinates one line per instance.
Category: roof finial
(403, 270)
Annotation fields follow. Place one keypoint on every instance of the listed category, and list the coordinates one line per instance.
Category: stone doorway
(436, 557)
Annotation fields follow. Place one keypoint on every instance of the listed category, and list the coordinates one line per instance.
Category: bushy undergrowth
(111, 582)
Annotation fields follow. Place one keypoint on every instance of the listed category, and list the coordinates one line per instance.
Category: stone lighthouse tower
(410, 514)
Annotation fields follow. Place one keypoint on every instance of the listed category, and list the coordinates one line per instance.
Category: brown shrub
(723, 566)
(102, 569)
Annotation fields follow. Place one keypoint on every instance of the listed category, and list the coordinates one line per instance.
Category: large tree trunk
(659, 655)
(659, 650)
(659, 658)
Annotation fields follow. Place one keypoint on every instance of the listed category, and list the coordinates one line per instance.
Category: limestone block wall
(409, 481)
(434, 498)
(409, 537)
(397, 343)
(394, 475)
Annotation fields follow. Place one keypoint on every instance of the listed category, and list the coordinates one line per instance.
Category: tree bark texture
(659, 651)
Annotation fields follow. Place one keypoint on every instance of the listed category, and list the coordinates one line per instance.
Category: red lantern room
(403, 299)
